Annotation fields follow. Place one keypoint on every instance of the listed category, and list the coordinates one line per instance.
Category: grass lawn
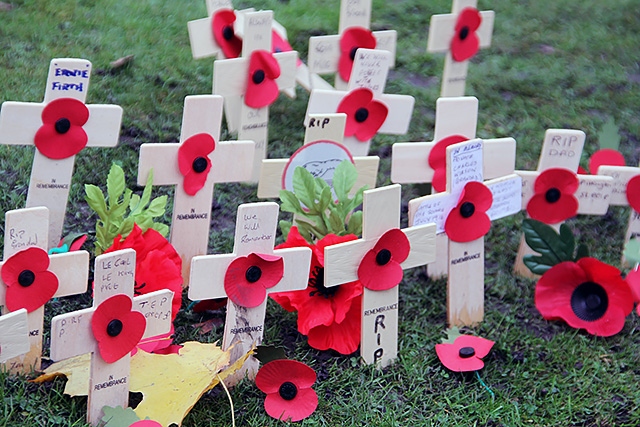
(552, 64)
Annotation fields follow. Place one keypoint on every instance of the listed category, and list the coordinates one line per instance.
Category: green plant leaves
(632, 251)
(553, 247)
(312, 202)
(609, 136)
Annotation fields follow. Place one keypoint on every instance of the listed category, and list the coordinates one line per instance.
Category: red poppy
(287, 384)
(438, 161)
(146, 423)
(465, 353)
(351, 40)
(223, 34)
(280, 44)
(633, 193)
(469, 221)
(330, 317)
(262, 88)
(248, 277)
(606, 156)
(380, 268)
(365, 115)
(587, 294)
(69, 244)
(194, 162)
(465, 42)
(633, 280)
(61, 134)
(554, 200)
(29, 284)
(116, 328)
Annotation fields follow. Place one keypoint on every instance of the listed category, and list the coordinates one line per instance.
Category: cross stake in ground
(251, 83)
(207, 161)
(335, 54)
(464, 213)
(561, 149)
(60, 127)
(369, 110)
(247, 276)
(425, 162)
(14, 335)
(378, 260)
(30, 277)
(326, 131)
(111, 329)
(459, 34)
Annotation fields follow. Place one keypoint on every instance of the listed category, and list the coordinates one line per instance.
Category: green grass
(551, 64)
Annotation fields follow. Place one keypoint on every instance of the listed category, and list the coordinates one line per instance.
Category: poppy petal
(304, 404)
(562, 179)
(540, 209)
(69, 108)
(469, 221)
(272, 374)
(262, 89)
(342, 337)
(437, 161)
(40, 287)
(378, 113)
(247, 278)
(465, 43)
(449, 353)
(606, 156)
(194, 162)
(376, 277)
(352, 39)
(223, 34)
(633, 193)
(61, 134)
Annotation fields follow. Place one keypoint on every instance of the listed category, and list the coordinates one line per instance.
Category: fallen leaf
(121, 62)
(76, 369)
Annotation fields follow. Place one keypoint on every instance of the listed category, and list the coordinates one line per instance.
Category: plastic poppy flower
(587, 294)
(280, 44)
(554, 200)
(365, 115)
(116, 328)
(222, 29)
(606, 156)
(352, 39)
(61, 134)
(380, 268)
(438, 161)
(633, 280)
(146, 423)
(248, 277)
(287, 384)
(194, 162)
(465, 353)
(29, 282)
(465, 42)
(262, 88)
(633, 193)
(330, 317)
(469, 221)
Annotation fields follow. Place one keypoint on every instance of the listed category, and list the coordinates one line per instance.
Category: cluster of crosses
(474, 182)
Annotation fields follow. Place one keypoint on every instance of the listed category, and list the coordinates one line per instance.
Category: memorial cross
(14, 335)
(30, 277)
(247, 276)
(369, 110)
(335, 53)
(60, 127)
(378, 260)
(194, 165)
(202, 37)
(251, 83)
(460, 34)
(111, 329)
(464, 213)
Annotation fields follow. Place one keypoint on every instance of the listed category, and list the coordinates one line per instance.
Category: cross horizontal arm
(202, 46)
(400, 109)
(103, 126)
(156, 308)
(207, 276)
(621, 176)
(442, 29)
(296, 269)
(71, 334)
(14, 335)
(72, 271)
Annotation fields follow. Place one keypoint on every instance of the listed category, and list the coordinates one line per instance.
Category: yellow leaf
(76, 369)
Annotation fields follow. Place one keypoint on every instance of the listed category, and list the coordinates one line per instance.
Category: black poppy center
(352, 53)
(253, 274)
(466, 352)
(288, 390)
(26, 278)
(317, 281)
(278, 50)
(114, 328)
(467, 209)
(258, 77)
(589, 301)
(464, 33)
(199, 165)
(383, 257)
(227, 32)
(361, 114)
(552, 195)
(62, 125)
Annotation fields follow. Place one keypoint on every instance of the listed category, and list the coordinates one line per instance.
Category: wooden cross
(25, 229)
(203, 43)
(255, 234)
(230, 79)
(621, 176)
(72, 333)
(381, 214)
(442, 30)
(370, 71)
(562, 148)
(21, 122)
(465, 258)
(230, 162)
(14, 335)
(456, 116)
(328, 130)
(324, 51)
